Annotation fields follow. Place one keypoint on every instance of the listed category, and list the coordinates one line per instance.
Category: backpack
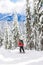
(21, 41)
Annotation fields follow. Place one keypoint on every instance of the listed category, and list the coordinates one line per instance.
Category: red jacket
(20, 44)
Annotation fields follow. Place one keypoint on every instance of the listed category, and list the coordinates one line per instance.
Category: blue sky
(15, 0)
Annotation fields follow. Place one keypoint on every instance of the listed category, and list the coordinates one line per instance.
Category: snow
(30, 57)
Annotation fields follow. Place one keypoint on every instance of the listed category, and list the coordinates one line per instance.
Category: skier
(21, 45)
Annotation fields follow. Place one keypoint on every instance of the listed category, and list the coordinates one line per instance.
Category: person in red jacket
(21, 45)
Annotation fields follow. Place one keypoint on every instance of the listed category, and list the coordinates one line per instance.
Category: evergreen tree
(37, 24)
(28, 21)
(6, 36)
(1, 39)
(15, 32)
(1, 35)
(7, 40)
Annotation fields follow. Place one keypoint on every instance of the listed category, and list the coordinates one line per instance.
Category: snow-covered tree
(15, 32)
(34, 26)
(37, 24)
(7, 40)
(1, 34)
(6, 36)
(1, 39)
(28, 22)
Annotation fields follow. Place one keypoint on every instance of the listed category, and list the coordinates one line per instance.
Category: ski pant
(21, 49)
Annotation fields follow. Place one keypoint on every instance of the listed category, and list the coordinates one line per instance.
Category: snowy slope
(30, 57)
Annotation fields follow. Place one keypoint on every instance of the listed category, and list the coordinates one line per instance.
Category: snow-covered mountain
(10, 16)
(6, 17)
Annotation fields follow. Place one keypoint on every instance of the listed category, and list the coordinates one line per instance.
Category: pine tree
(37, 24)
(1, 39)
(1, 35)
(41, 23)
(6, 36)
(28, 20)
(7, 40)
(15, 32)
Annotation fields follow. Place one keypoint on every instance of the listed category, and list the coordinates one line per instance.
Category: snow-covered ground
(13, 57)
